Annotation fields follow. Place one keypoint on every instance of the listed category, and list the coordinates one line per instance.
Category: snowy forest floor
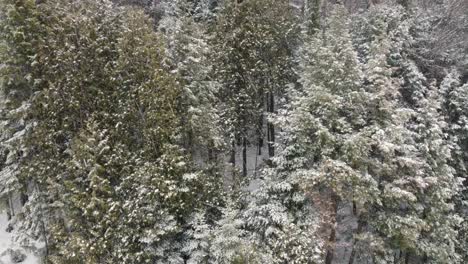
(7, 246)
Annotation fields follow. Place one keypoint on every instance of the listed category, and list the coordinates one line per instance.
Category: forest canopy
(229, 131)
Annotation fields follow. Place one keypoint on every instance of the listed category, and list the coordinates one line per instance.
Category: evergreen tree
(455, 102)
(322, 151)
(188, 51)
(119, 127)
(22, 34)
(90, 199)
(253, 42)
(411, 163)
(107, 125)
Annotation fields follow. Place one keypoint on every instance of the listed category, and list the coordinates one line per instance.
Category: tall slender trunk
(255, 167)
(189, 142)
(260, 122)
(42, 223)
(46, 242)
(24, 198)
(244, 157)
(233, 157)
(210, 154)
(271, 127)
(260, 134)
(11, 205)
(332, 238)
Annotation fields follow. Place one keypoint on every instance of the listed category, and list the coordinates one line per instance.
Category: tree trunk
(233, 157)
(244, 157)
(46, 242)
(11, 205)
(24, 198)
(210, 154)
(260, 124)
(271, 127)
(42, 224)
(332, 238)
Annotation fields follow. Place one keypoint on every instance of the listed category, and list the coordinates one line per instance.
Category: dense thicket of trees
(254, 131)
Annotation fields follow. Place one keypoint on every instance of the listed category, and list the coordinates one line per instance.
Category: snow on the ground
(6, 242)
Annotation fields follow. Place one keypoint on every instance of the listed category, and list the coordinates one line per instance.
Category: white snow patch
(6, 242)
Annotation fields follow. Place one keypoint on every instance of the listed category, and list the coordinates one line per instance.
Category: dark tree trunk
(24, 198)
(260, 123)
(233, 156)
(260, 145)
(42, 225)
(332, 238)
(46, 241)
(244, 157)
(210, 154)
(190, 140)
(271, 127)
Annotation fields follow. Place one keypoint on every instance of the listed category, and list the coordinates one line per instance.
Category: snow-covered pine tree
(434, 147)
(163, 189)
(77, 87)
(392, 158)
(230, 242)
(184, 29)
(322, 152)
(22, 34)
(440, 179)
(410, 161)
(253, 43)
(456, 115)
(331, 118)
(91, 206)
